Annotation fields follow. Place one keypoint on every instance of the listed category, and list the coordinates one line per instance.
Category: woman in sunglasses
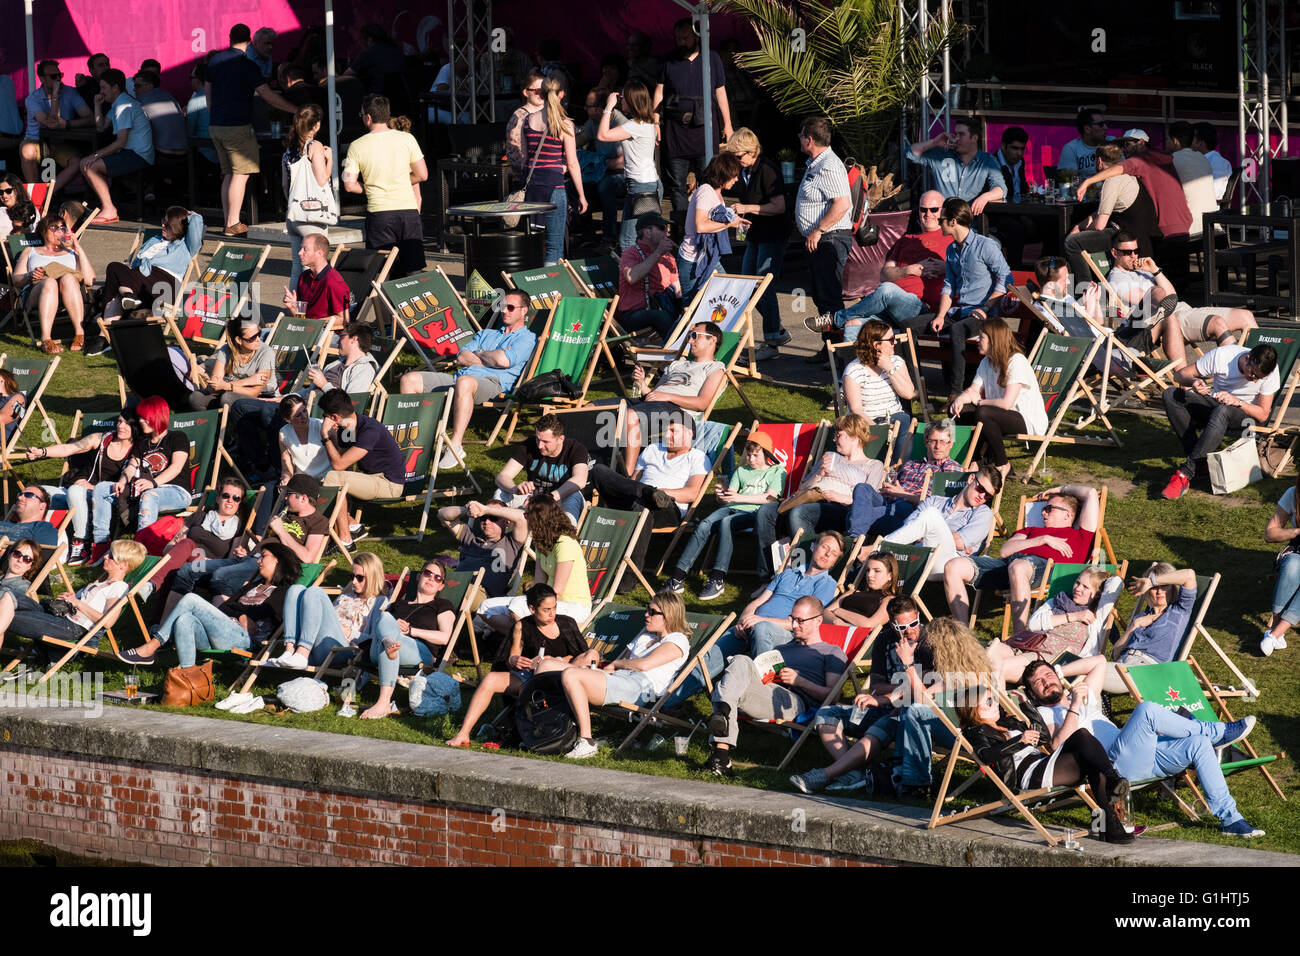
(207, 533)
(17, 211)
(156, 268)
(96, 462)
(313, 626)
(18, 566)
(244, 367)
(543, 635)
(412, 632)
(57, 271)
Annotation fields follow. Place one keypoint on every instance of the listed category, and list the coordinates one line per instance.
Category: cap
(303, 484)
(1137, 134)
(763, 440)
(651, 219)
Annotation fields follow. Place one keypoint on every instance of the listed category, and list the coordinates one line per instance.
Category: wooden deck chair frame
(904, 346)
(48, 563)
(1010, 800)
(241, 299)
(44, 204)
(83, 224)
(511, 406)
(105, 622)
(1275, 427)
(1076, 389)
(580, 280)
(400, 328)
(1044, 592)
(720, 455)
(368, 303)
(1214, 699)
(677, 343)
(34, 402)
(653, 716)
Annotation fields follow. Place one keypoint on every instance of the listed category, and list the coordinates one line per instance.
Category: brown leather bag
(803, 498)
(188, 686)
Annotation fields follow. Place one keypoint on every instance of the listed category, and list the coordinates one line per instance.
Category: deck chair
(362, 270)
(715, 439)
(41, 193)
(904, 346)
(427, 311)
(965, 439)
(1287, 344)
(545, 287)
(33, 376)
(729, 300)
(1060, 579)
(227, 288)
(705, 631)
(11, 249)
(1182, 684)
(168, 306)
(28, 307)
(296, 342)
(419, 425)
(598, 428)
(1059, 362)
(1023, 803)
(607, 536)
(206, 432)
(144, 361)
(136, 580)
(596, 277)
(571, 343)
(255, 658)
(914, 565)
(50, 557)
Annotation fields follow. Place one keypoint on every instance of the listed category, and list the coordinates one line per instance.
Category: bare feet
(460, 740)
(376, 712)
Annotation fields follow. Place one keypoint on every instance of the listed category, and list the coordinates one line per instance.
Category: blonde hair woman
(313, 626)
(550, 150)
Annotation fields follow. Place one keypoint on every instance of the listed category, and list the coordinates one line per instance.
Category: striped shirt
(550, 162)
(824, 180)
(879, 400)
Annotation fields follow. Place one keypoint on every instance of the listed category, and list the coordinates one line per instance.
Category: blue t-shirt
(1160, 639)
(70, 102)
(383, 455)
(234, 82)
(42, 532)
(792, 584)
(518, 346)
(128, 114)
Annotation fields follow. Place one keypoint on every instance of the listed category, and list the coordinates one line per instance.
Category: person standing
(681, 100)
(305, 156)
(384, 164)
(550, 149)
(822, 213)
(233, 81)
(762, 202)
(637, 134)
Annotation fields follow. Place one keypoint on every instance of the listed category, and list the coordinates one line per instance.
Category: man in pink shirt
(647, 268)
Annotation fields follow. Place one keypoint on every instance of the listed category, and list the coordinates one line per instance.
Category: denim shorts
(992, 573)
(629, 687)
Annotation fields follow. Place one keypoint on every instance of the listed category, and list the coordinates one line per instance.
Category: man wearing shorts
(130, 151)
(388, 166)
(490, 363)
(1025, 554)
(52, 105)
(233, 81)
(1154, 306)
(353, 439)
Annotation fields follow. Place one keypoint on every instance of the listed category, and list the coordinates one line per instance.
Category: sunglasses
(24, 557)
(359, 577)
(7, 192)
(228, 497)
(982, 489)
(904, 628)
(532, 89)
(1126, 252)
(514, 308)
(30, 494)
(1047, 508)
(888, 338)
(426, 573)
(930, 208)
(653, 612)
(700, 335)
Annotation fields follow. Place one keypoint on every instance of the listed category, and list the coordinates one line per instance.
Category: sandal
(51, 347)
(78, 341)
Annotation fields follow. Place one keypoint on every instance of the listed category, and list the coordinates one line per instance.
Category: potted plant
(786, 158)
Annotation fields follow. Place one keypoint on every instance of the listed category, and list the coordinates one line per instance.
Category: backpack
(543, 718)
(864, 231)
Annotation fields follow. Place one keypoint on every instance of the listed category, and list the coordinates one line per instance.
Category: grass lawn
(1199, 531)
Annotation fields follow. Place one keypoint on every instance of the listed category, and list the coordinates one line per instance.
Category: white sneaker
(233, 701)
(449, 459)
(582, 750)
(1270, 644)
(292, 662)
(249, 706)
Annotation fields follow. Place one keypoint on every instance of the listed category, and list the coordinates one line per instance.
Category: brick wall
(135, 812)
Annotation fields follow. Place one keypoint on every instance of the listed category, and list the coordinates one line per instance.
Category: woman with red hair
(158, 474)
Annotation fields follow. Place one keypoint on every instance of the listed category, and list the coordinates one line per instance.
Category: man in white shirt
(1078, 155)
(1206, 141)
(1242, 385)
(1194, 171)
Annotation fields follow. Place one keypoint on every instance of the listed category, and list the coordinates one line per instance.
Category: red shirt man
(322, 293)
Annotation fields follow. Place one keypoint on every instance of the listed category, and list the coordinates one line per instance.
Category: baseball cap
(1137, 134)
(303, 484)
(764, 441)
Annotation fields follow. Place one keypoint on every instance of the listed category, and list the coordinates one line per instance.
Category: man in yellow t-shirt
(388, 166)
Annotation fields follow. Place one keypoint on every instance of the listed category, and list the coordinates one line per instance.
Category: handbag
(803, 498)
(309, 201)
(188, 686)
(552, 384)
(1235, 466)
(512, 222)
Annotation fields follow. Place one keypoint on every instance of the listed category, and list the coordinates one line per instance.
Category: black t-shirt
(865, 603)
(422, 616)
(549, 473)
(383, 456)
(684, 79)
(157, 455)
(234, 83)
(262, 603)
(569, 643)
(758, 186)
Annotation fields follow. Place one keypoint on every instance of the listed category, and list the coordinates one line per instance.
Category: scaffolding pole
(473, 67)
(1262, 83)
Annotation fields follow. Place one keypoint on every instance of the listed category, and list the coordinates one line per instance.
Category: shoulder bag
(512, 222)
(309, 201)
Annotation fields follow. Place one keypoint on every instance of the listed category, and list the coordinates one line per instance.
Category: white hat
(1137, 134)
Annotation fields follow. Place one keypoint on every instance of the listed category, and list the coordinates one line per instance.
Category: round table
(505, 250)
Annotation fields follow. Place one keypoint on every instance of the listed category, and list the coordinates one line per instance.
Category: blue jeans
(763, 638)
(555, 223)
(627, 230)
(413, 651)
(222, 575)
(887, 302)
(163, 498)
(765, 523)
(76, 499)
(816, 516)
(766, 258)
(1158, 743)
(872, 514)
(310, 621)
(1286, 593)
(913, 731)
(610, 189)
(101, 509)
(727, 521)
(657, 320)
(195, 623)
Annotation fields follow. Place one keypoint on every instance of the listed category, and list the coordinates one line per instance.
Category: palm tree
(857, 64)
